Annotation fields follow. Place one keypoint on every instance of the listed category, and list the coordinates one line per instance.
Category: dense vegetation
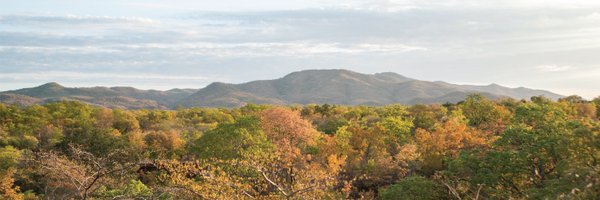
(476, 149)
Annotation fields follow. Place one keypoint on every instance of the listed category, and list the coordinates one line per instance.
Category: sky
(542, 44)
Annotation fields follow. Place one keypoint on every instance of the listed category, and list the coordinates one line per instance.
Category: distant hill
(18, 99)
(113, 97)
(303, 87)
(346, 87)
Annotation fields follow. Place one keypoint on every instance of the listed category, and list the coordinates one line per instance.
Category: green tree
(483, 113)
(597, 103)
(414, 187)
(534, 158)
(426, 116)
(134, 190)
(9, 157)
(235, 140)
(125, 121)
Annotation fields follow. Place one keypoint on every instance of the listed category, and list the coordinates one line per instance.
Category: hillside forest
(474, 149)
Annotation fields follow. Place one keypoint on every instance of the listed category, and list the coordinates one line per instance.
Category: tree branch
(271, 182)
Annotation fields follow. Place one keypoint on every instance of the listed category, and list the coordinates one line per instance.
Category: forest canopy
(475, 149)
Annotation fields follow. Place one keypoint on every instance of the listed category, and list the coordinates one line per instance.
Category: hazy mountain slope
(18, 99)
(517, 93)
(450, 97)
(225, 95)
(114, 97)
(303, 87)
(346, 87)
(120, 102)
(311, 86)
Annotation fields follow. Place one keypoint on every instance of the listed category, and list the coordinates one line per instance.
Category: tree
(80, 173)
(125, 121)
(483, 113)
(104, 119)
(9, 158)
(538, 140)
(49, 136)
(203, 179)
(426, 116)
(375, 157)
(447, 140)
(597, 103)
(414, 187)
(243, 139)
(202, 119)
(7, 188)
(480, 149)
(156, 119)
(163, 144)
(295, 168)
(577, 107)
(288, 131)
(399, 128)
(536, 157)
(133, 190)
(277, 154)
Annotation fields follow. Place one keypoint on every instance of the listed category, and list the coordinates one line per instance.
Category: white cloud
(383, 5)
(71, 19)
(429, 37)
(72, 75)
(149, 5)
(58, 49)
(221, 49)
(472, 23)
(554, 68)
(595, 16)
(402, 5)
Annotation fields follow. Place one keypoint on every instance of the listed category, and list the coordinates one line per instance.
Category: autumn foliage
(475, 149)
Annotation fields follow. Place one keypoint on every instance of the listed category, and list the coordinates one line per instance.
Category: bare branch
(271, 182)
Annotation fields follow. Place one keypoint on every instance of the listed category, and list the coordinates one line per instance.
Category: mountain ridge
(333, 86)
(113, 97)
(338, 86)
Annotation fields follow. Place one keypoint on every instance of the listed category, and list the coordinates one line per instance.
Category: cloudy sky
(547, 44)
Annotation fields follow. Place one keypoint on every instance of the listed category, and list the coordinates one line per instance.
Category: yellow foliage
(7, 189)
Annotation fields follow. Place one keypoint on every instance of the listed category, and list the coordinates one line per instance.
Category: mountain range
(303, 87)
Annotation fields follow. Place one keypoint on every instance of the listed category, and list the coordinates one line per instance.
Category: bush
(413, 188)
